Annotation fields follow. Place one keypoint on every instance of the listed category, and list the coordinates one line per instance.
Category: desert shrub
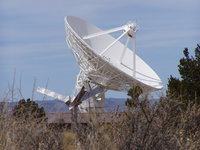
(27, 129)
(28, 110)
(162, 125)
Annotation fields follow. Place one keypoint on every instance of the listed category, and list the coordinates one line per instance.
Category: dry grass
(163, 125)
(20, 134)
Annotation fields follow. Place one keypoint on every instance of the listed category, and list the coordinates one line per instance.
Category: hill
(57, 106)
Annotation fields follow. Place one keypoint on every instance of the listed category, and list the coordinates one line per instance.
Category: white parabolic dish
(106, 70)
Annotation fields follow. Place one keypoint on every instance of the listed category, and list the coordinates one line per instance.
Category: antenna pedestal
(93, 99)
(92, 104)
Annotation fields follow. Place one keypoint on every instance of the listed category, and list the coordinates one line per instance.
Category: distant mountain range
(57, 106)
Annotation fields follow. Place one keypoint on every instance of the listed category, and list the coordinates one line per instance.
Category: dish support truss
(99, 69)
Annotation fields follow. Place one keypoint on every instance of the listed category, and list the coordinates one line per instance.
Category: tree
(29, 110)
(134, 93)
(187, 89)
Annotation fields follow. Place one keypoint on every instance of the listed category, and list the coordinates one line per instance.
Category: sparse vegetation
(27, 128)
(29, 110)
(162, 125)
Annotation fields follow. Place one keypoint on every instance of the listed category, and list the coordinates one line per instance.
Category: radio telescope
(105, 64)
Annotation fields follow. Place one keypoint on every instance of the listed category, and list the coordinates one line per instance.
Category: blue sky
(32, 38)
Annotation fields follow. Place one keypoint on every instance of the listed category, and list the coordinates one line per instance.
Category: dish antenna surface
(105, 64)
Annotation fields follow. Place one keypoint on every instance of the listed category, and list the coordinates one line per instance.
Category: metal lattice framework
(96, 68)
